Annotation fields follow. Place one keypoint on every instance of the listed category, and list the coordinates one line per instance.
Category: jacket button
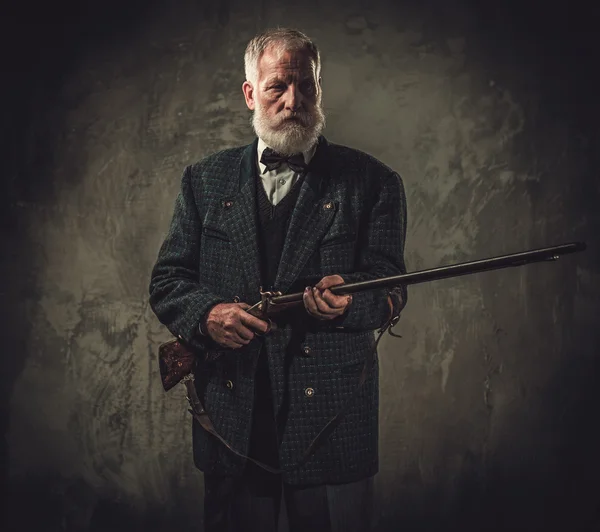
(306, 350)
(229, 384)
(228, 204)
(236, 299)
(309, 392)
(328, 206)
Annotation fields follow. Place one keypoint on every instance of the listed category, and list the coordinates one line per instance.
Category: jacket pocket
(340, 238)
(213, 232)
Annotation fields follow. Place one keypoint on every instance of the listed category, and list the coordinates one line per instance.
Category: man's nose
(293, 100)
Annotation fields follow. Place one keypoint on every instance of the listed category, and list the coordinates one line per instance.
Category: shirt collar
(308, 155)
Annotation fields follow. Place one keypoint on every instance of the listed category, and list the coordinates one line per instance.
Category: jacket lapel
(240, 222)
(310, 220)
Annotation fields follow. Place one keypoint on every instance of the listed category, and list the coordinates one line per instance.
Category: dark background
(489, 111)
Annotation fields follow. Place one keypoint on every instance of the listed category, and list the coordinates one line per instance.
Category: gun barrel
(445, 272)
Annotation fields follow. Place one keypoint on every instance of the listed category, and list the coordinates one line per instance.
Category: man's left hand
(321, 303)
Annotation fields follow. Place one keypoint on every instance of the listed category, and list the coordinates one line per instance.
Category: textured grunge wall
(490, 399)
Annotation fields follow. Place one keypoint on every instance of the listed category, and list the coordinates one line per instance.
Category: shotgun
(176, 361)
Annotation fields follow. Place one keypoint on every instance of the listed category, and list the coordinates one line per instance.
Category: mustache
(305, 118)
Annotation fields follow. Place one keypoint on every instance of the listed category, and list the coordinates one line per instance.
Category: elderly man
(289, 212)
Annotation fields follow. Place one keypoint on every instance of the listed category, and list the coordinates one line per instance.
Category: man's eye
(277, 87)
(308, 86)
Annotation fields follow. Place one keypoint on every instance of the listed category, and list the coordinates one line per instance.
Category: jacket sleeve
(381, 254)
(176, 296)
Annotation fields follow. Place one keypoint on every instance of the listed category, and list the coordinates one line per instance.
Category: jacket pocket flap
(215, 233)
(339, 238)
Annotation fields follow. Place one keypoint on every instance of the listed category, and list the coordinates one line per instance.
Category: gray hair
(283, 39)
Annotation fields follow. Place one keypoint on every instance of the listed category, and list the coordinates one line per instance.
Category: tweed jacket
(349, 219)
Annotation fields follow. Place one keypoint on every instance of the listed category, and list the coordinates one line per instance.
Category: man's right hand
(230, 325)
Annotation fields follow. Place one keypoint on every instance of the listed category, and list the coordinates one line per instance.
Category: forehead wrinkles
(288, 75)
(286, 65)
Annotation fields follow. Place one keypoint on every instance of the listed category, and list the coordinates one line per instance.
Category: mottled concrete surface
(489, 401)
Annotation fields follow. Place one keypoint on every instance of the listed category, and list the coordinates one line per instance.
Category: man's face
(286, 101)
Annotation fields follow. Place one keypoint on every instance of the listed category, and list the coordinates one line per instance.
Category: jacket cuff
(368, 311)
(187, 325)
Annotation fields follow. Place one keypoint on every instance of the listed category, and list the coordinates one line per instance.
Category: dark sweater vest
(273, 222)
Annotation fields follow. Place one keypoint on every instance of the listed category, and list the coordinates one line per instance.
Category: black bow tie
(272, 160)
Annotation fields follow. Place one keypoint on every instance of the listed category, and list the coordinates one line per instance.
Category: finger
(237, 338)
(322, 305)
(234, 329)
(329, 281)
(228, 342)
(325, 311)
(233, 345)
(243, 332)
(335, 301)
(309, 303)
(227, 337)
(253, 322)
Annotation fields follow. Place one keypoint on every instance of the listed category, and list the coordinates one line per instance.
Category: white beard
(291, 137)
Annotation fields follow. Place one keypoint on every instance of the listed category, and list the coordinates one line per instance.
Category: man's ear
(248, 91)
